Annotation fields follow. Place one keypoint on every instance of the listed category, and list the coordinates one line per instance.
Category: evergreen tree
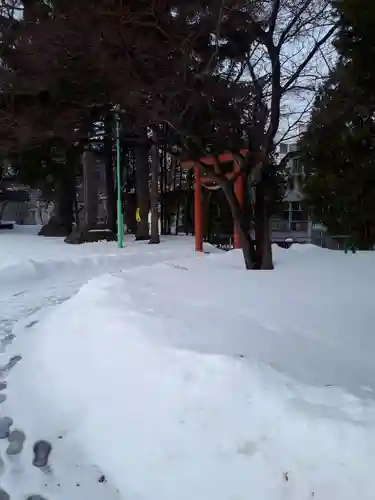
(338, 151)
(356, 42)
(338, 148)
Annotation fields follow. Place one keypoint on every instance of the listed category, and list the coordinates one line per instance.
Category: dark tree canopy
(356, 40)
(209, 76)
(338, 148)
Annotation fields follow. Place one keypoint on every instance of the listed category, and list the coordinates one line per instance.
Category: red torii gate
(211, 162)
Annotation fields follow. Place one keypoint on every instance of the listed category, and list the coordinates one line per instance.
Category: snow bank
(26, 256)
(188, 379)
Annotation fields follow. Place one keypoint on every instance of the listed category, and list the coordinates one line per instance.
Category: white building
(294, 222)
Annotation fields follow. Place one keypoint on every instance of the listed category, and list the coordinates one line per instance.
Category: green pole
(120, 217)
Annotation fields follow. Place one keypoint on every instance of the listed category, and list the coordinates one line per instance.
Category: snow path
(23, 301)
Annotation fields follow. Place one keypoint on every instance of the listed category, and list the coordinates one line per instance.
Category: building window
(298, 212)
(296, 206)
(299, 226)
(283, 148)
(286, 211)
(296, 166)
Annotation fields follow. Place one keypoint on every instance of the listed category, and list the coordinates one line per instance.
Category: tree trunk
(155, 238)
(142, 191)
(178, 213)
(90, 188)
(262, 229)
(242, 222)
(61, 222)
(207, 198)
(2, 209)
(363, 237)
(189, 194)
(109, 177)
(164, 223)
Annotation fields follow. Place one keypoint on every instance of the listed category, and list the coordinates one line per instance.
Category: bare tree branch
(284, 161)
(273, 16)
(311, 54)
(293, 22)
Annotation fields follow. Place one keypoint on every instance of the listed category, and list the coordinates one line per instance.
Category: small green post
(120, 217)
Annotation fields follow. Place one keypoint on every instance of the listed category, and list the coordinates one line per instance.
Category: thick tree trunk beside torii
(263, 242)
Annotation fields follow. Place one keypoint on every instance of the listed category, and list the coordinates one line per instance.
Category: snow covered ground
(158, 374)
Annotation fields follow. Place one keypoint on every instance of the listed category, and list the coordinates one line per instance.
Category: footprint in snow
(4, 495)
(31, 324)
(3, 385)
(35, 497)
(6, 341)
(2, 398)
(5, 425)
(2, 465)
(42, 451)
(11, 363)
(16, 440)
